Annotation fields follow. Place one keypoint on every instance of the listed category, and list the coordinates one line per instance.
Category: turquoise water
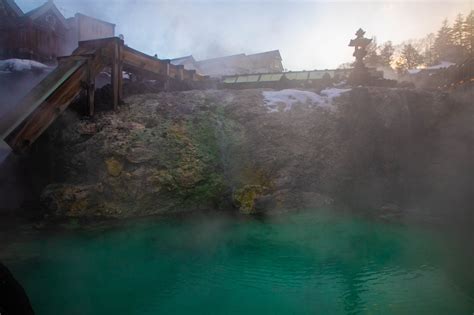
(305, 263)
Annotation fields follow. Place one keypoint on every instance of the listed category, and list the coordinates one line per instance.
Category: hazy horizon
(309, 34)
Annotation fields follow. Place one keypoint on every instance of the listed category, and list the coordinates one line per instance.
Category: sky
(309, 34)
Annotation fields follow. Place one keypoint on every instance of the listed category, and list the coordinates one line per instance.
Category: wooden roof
(10, 4)
(273, 54)
(81, 15)
(182, 60)
(45, 8)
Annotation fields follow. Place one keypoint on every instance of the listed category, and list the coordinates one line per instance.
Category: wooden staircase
(75, 73)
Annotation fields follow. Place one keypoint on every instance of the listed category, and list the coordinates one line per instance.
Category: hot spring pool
(311, 262)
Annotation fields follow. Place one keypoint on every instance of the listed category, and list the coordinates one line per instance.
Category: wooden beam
(180, 74)
(167, 65)
(36, 123)
(115, 76)
(141, 61)
(120, 70)
(90, 89)
(189, 74)
(46, 101)
(37, 96)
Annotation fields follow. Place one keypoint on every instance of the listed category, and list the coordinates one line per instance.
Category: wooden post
(120, 70)
(90, 88)
(167, 67)
(115, 75)
(192, 74)
(180, 72)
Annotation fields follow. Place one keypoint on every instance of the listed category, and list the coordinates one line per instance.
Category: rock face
(367, 148)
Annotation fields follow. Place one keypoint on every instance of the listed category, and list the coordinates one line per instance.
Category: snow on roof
(284, 100)
(17, 65)
(442, 65)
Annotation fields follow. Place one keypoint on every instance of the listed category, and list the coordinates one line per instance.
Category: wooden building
(265, 62)
(83, 27)
(44, 33)
(35, 35)
(187, 61)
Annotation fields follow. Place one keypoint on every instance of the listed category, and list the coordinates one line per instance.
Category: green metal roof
(274, 77)
(271, 77)
(318, 74)
(247, 78)
(297, 75)
(230, 80)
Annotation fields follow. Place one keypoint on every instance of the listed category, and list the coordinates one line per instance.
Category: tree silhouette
(468, 41)
(443, 45)
(410, 58)
(386, 54)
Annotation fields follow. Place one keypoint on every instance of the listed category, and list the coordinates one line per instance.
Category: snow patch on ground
(285, 100)
(17, 65)
(333, 92)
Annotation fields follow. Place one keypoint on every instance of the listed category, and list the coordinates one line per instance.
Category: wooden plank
(52, 96)
(180, 72)
(38, 121)
(189, 75)
(115, 76)
(47, 106)
(38, 95)
(120, 70)
(143, 62)
(173, 71)
(90, 89)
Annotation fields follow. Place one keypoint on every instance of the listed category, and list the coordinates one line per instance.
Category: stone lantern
(360, 73)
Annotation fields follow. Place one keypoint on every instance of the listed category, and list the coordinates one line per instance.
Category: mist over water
(301, 263)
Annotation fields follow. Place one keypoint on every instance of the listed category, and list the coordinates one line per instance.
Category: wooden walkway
(75, 73)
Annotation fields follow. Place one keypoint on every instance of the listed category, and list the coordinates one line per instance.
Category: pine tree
(468, 42)
(443, 45)
(458, 36)
(410, 58)
(386, 54)
(429, 54)
(372, 59)
(457, 31)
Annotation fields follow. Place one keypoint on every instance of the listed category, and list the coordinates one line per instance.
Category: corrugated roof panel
(291, 75)
(253, 78)
(265, 77)
(297, 75)
(302, 76)
(230, 80)
(315, 75)
(242, 79)
(271, 77)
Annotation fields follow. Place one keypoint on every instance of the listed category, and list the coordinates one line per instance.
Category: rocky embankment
(257, 150)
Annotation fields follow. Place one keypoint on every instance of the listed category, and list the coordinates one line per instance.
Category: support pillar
(116, 73)
(90, 90)
(180, 73)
